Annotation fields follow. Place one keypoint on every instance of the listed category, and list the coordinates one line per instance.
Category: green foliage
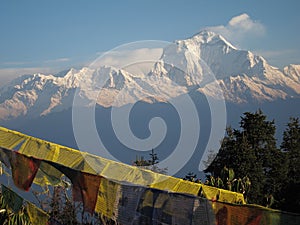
(9, 217)
(65, 211)
(228, 181)
(153, 158)
(141, 162)
(192, 177)
(291, 146)
(227, 174)
(151, 164)
(63, 208)
(252, 154)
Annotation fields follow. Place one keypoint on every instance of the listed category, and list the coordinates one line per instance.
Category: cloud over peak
(239, 28)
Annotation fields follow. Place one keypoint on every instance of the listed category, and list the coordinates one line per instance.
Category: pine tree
(152, 163)
(251, 152)
(153, 158)
(291, 146)
(268, 170)
(225, 155)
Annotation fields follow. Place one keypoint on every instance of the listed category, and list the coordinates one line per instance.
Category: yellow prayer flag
(37, 216)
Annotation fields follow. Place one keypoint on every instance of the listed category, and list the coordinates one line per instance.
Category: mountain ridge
(200, 62)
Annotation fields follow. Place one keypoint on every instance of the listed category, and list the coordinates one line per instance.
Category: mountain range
(204, 66)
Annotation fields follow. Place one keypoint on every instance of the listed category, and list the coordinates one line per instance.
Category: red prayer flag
(24, 169)
(85, 186)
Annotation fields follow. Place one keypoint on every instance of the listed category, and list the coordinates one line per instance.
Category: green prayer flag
(11, 199)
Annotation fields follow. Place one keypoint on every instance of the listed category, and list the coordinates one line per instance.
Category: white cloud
(13, 63)
(239, 28)
(136, 61)
(58, 60)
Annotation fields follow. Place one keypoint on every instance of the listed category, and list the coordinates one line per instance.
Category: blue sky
(44, 36)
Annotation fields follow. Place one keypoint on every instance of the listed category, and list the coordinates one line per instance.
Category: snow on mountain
(40, 94)
(292, 71)
(188, 64)
(243, 76)
(37, 94)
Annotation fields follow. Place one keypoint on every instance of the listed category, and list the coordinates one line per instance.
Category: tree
(192, 177)
(251, 152)
(153, 158)
(291, 146)
(151, 164)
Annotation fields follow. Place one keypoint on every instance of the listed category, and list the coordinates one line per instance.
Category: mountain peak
(210, 37)
(186, 65)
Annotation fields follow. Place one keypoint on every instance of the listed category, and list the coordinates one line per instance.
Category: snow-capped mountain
(243, 76)
(191, 64)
